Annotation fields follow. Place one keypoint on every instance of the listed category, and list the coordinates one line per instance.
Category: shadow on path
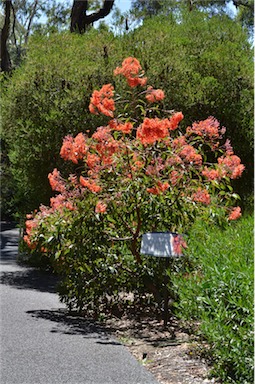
(75, 325)
(30, 279)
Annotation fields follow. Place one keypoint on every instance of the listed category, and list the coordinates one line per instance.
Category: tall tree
(20, 18)
(79, 18)
(148, 8)
(5, 57)
(17, 24)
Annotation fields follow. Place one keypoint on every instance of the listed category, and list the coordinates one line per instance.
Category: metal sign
(162, 244)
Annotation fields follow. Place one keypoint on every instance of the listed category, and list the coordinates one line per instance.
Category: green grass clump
(218, 292)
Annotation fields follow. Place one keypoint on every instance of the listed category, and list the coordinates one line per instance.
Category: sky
(124, 5)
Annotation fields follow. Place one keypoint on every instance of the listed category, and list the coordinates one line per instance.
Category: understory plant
(217, 293)
(142, 171)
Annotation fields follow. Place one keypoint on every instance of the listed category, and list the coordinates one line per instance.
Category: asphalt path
(41, 344)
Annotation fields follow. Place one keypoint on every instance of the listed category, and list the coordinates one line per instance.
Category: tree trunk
(5, 57)
(79, 18)
(33, 12)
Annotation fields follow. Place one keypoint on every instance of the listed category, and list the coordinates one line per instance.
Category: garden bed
(169, 353)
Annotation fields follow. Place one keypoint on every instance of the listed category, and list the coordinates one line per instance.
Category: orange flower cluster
(174, 160)
(57, 183)
(211, 174)
(175, 120)
(102, 101)
(153, 95)
(155, 129)
(93, 161)
(130, 70)
(122, 127)
(235, 213)
(102, 134)
(231, 166)
(101, 207)
(152, 130)
(189, 154)
(175, 176)
(74, 149)
(201, 196)
(59, 202)
(178, 244)
(31, 224)
(209, 128)
(90, 184)
(161, 187)
(106, 146)
(179, 142)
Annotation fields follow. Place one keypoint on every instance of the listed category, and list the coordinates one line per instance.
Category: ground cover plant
(218, 292)
(141, 172)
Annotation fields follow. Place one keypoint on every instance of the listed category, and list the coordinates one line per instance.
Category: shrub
(137, 174)
(218, 292)
(205, 66)
(46, 99)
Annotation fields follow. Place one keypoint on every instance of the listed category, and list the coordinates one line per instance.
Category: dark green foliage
(218, 292)
(205, 66)
(46, 99)
(93, 269)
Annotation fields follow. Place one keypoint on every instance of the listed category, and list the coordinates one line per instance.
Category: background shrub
(205, 66)
(46, 99)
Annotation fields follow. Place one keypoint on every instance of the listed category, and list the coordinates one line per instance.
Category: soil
(169, 352)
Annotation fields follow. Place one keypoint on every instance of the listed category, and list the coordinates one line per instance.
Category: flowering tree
(141, 171)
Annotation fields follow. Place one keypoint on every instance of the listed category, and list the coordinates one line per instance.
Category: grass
(217, 290)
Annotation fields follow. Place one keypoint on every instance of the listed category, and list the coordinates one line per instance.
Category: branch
(80, 20)
(244, 3)
(14, 25)
(30, 21)
(134, 249)
(120, 238)
(103, 12)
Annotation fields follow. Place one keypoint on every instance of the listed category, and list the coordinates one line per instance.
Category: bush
(46, 99)
(137, 174)
(205, 66)
(218, 292)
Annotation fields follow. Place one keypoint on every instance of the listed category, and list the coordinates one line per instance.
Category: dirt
(168, 352)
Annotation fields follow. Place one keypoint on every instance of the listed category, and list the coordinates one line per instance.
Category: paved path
(40, 344)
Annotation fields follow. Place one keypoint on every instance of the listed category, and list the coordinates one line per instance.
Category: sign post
(163, 244)
(166, 296)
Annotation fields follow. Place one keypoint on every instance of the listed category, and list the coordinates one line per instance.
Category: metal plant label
(162, 244)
